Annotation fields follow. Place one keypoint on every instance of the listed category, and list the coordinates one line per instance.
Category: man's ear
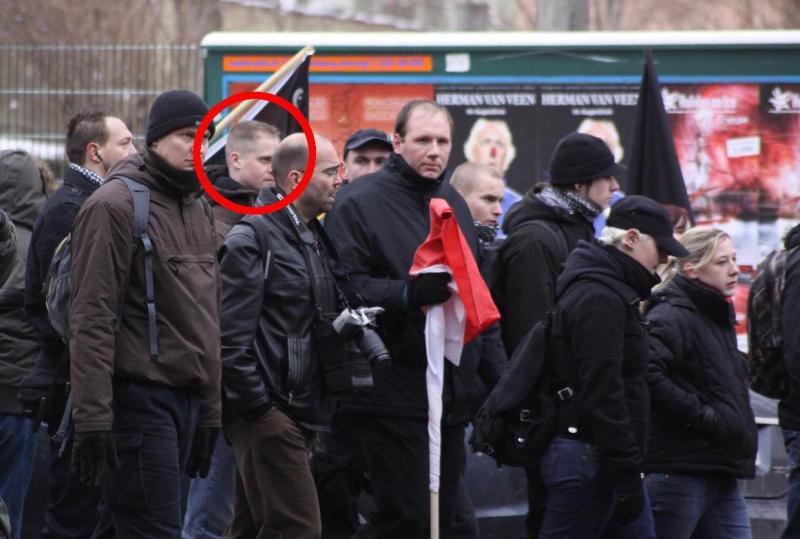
(294, 177)
(397, 140)
(631, 238)
(91, 152)
(235, 160)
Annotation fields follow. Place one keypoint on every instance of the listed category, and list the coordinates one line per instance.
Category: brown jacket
(186, 280)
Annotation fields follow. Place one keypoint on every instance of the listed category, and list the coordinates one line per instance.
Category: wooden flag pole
(241, 109)
(434, 515)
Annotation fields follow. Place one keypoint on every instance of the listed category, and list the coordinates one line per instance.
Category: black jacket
(224, 218)
(8, 247)
(600, 349)
(694, 364)
(52, 226)
(377, 224)
(22, 197)
(268, 354)
(789, 407)
(528, 263)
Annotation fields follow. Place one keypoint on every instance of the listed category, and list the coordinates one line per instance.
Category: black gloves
(205, 439)
(628, 507)
(428, 289)
(713, 423)
(91, 452)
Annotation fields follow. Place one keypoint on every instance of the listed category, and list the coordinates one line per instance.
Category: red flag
(446, 245)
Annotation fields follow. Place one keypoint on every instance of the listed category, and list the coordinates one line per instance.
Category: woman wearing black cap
(592, 468)
(702, 435)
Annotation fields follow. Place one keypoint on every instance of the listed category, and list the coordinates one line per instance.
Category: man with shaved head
(273, 391)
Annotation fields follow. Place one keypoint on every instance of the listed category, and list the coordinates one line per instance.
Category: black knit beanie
(175, 110)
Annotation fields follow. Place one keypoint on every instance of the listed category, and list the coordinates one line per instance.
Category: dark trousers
(396, 455)
(791, 439)
(537, 499)
(275, 495)
(72, 511)
(338, 468)
(153, 430)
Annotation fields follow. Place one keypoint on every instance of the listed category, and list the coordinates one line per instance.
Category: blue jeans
(697, 507)
(581, 496)
(791, 439)
(209, 510)
(17, 453)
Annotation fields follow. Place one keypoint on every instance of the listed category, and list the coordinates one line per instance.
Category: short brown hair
(89, 125)
(243, 134)
(465, 174)
(405, 113)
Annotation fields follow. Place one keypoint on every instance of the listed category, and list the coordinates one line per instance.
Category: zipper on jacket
(291, 396)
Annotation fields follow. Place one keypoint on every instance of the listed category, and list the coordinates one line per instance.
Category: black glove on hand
(711, 422)
(91, 453)
(629, 506)
(205, 439)
(428, 289)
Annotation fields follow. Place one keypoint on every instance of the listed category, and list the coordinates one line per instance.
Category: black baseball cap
(648, 217)
(365, 136)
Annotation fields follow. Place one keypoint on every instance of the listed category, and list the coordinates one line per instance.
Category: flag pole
(236, 114)
(434, 515)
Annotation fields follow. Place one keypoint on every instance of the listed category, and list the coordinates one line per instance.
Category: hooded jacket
(694, 364)
(8, 247)
(186, 279)
(22, 197)
(528, 263)
(789, 407)
(377, 224)
(600, 350)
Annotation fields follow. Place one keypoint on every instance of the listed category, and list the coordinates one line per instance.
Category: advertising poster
(495, 126)
(336, 110)
(606, 112)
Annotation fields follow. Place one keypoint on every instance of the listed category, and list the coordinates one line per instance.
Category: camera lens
(372, 347)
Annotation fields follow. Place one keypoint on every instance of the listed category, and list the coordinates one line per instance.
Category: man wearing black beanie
(144, 328)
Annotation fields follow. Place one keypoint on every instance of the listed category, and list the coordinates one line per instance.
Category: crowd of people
(264, 376)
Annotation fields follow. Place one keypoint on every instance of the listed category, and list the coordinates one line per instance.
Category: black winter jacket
(694, 365)
(600, 349)
(528, 263)
(8, 247)
(50, 229)
(22, 197)
(377, 224)
(268, 354)
(789, 407)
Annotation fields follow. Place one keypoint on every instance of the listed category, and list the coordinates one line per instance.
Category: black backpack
(767, 370)
(518, 418)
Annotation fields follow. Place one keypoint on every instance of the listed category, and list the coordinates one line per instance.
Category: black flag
(653, 167)
(293, 89)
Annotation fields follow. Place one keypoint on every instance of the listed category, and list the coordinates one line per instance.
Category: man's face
(600, 191)
(427, 142)
(364, 160)
(176, 148)
(485, 198)
(253, 168)
(492, 148)
(118, 145)
(321, 191)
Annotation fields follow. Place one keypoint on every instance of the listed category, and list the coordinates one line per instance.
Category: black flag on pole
(653, 167)
(294, 89)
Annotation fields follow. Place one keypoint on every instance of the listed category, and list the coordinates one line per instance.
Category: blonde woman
(702, 435)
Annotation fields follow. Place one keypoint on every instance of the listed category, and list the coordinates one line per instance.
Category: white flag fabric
(444, 338)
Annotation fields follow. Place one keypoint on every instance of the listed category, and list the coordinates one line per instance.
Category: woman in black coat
(702, 434)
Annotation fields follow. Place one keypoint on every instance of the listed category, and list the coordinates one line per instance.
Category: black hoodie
(528, 262)
(600, 348)
(789, 407)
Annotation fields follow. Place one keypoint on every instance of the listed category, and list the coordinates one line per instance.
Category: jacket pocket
(298, 362)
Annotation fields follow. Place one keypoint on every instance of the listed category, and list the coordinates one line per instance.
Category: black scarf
(634, 274)
(184, 182)
(707, 300)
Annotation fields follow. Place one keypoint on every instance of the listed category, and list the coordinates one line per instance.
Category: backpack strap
(261, 230)
(141, 213)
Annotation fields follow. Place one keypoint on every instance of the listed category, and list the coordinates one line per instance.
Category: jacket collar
(694, 295)
(412, 179)
(73, 178)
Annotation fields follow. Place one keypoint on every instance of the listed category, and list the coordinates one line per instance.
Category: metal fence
(42, 86)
